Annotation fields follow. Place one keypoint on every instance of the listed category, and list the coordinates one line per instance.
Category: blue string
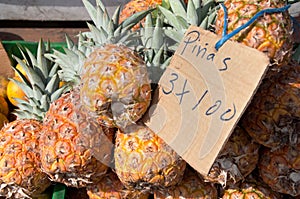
(226, 37)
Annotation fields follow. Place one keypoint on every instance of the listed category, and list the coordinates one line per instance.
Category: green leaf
(172, 19)
(178, 8)
(158, 35)
(91, 10)
(41, 61)
(116, 16)
(53, 84)
(135, 18)
(192, 15)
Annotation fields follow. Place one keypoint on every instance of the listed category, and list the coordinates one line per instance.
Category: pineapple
(143, 161)
(107, 94)
(75, 149)
(191, 186)
(135, 6)
(111, 187)
(236, 160)
(179, 18)
(20, 173)
(280, 169)
(115, 85)
(270, 34)
(253, 187)
(273, 116)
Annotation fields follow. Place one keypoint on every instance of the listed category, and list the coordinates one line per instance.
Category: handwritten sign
(202, 95)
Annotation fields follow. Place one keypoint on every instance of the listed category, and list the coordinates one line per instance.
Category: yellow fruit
(61, 84)
(3, 106)
(20, 68)
(3, 85)
(14, 91)
(115, 85)
(20, 172)
(3, 120)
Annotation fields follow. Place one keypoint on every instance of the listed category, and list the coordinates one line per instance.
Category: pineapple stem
(226, 37)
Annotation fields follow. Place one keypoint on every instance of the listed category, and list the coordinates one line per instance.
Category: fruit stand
(81, 82)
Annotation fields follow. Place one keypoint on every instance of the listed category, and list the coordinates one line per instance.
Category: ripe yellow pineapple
(74, 148)
(111, 187)
(272, 118)
(115, 85)
(143, 161)
(236, 160)
(280, 169)
(191, 186)
(270, 33)
(20, 173)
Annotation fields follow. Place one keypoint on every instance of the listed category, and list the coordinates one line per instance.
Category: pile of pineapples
(88, 133)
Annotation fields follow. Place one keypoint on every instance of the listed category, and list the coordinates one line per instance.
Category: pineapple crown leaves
(106, 29)
(179, 17)
(71, 60)
(40, 85)
(154, 46)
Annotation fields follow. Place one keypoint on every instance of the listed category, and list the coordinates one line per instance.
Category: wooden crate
(32, 20)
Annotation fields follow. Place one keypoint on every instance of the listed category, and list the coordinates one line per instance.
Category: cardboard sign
(202, 95)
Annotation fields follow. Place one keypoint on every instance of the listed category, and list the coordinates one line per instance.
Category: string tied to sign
(226, 37)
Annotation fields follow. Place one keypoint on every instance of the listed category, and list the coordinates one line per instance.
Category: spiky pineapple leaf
(116, 15)
(135, 18)
(192, 16)
(55, 95)
(53, 84)
(92, 11)
(172, 19)
(41, 61)
(31, 74)
(178, 7)
(37, 92)
(158, 35)
(39, 84)
(147, 32)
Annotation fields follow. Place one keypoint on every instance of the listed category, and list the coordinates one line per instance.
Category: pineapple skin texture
(74, 148)
(20, 173)
(115, 85)
(280, 169)
(145, 161)
(270, 34)
(111, 187)
(191, 186)
(272, 118)
(253, 187)
(236, 160)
